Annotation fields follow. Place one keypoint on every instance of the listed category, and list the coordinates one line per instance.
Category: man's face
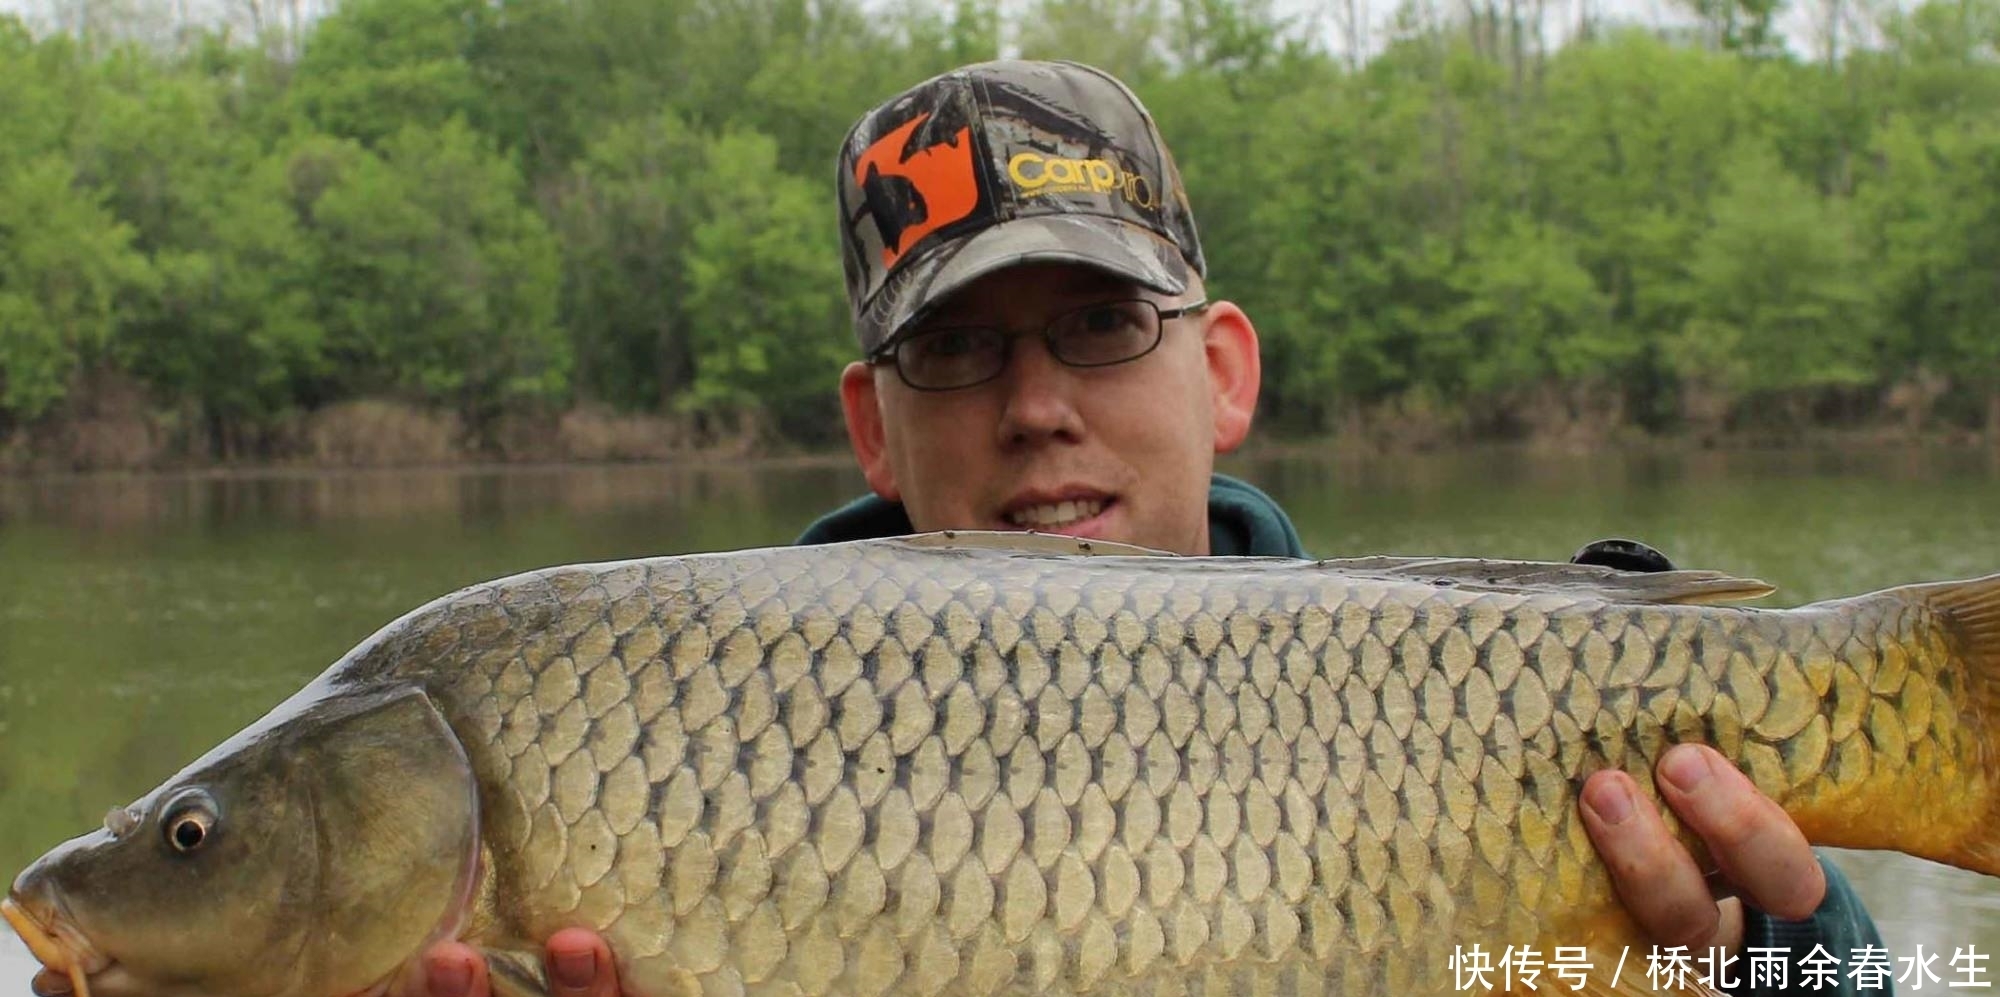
(1119, 453)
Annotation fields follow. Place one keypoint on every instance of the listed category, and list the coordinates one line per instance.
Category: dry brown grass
(592, 433)
(106, 423)
(379, 433)
(1411, 422)
(1570, 418)
(117, 430)
(110, 424)
(1704, 410)
(1911, 403)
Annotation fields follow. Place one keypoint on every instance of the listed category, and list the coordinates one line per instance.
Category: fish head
(121, 904)
(311, 856)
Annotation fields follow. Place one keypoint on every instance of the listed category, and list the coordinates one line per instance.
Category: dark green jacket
(1245, 521)
(1841, 925)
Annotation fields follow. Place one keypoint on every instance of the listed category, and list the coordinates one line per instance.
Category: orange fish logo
(912, 197)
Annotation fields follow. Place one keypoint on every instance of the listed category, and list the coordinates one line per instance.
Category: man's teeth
(1056, 513)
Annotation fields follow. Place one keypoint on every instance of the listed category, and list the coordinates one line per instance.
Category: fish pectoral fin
(1027, 542)
(1681, 587)
(516, 974)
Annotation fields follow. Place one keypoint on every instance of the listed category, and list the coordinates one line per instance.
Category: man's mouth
(1055, 515)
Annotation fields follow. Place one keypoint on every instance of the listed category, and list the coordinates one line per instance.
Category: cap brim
(1117, 247)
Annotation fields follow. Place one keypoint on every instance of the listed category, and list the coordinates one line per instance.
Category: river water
(144, 618)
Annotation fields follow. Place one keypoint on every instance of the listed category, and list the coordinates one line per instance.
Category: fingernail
(1685, 768)
(1611, 802)
(576, 970)
(450, 978)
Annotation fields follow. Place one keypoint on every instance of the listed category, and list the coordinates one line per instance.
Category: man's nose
(1040, 396)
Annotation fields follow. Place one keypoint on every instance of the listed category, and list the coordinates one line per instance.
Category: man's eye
(952, 343)
(1108, 319)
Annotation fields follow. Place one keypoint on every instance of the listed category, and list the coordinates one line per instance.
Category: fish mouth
(68, 961)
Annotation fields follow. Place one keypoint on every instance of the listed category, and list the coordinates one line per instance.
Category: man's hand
(1761, 855)
(578, 963)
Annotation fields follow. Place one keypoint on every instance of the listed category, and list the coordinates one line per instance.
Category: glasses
(1096, 335)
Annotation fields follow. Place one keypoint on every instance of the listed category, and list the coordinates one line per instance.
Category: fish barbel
(956, 765)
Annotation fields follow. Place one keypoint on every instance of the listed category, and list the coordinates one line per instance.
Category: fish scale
(1452, 802)
(948, 767)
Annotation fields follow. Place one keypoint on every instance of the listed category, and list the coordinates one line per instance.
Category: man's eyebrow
(1077, 282)
(1086, 281)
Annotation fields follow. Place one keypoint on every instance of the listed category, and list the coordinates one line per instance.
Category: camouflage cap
(1002, 163)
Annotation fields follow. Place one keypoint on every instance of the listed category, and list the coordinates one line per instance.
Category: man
(1028, 290)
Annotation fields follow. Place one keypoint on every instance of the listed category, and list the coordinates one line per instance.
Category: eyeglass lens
(1092, 336)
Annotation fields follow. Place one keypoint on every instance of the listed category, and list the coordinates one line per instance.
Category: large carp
(934, 766)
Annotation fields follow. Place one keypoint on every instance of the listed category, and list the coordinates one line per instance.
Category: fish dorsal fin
(1559, 578)
(1521, 577)
(1029, 542)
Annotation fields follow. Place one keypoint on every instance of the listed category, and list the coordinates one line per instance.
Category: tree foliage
(492, 206)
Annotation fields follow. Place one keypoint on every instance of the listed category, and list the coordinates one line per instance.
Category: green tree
(376, 67)
(624, 218)
(1528, 315)
(234, 326)
(1123, 37)
(764, 305)
(47, 91)
(489, 206)
(1778, 303)
(433, 279)
(66, 267)
(1932, 206)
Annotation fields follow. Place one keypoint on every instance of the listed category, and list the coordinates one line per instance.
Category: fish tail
(1969, 614)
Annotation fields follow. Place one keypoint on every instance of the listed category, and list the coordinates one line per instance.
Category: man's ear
(1235, 372)
(865, 429)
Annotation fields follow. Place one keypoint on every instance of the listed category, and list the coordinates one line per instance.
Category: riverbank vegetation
(433, 230)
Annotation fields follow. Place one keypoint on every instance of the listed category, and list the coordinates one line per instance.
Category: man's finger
(580, 965)
(451, 969)
(1756, 844)
(1656, 878)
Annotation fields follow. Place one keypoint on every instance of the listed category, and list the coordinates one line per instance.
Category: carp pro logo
(912, 195)
(1038, 175)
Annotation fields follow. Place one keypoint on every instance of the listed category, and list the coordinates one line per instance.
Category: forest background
(415, 231)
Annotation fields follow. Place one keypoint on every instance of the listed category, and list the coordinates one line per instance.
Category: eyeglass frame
(889, 352)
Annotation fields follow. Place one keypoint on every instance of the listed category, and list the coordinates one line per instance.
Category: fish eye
(189, 822)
